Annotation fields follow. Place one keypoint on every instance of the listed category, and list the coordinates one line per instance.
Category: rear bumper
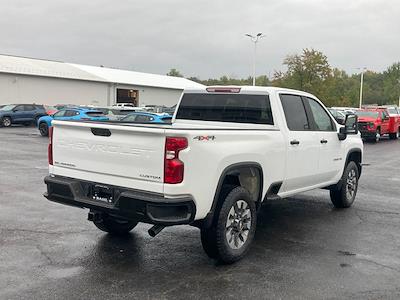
(128, 203)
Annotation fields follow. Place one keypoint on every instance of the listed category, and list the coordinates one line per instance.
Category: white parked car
(123, 105)
(228, 150)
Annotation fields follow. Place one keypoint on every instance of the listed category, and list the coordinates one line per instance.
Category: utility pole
(255, 39)
(361, 85)
(398, 80)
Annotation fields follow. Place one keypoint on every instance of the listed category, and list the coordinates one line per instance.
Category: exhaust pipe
(156, 229)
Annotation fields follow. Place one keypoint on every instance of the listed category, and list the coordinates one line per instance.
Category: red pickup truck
(375, 122)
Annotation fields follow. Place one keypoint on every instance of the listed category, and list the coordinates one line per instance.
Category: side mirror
(340, 121)
(350, 127)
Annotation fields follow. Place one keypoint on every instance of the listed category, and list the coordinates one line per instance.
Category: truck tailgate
(110, 154)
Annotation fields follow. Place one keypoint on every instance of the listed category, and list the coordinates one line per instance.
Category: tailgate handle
(101, 131)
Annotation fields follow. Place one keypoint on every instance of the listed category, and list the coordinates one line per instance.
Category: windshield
(8, 107)
(368, 114)
(392, 111)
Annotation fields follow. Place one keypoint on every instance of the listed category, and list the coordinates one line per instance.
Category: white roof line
(56, 69)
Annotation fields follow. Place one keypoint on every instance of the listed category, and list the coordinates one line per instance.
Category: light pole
(361, 85)
(255, 39)
(398, 80)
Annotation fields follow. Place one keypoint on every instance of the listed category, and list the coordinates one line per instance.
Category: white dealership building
(28, 80)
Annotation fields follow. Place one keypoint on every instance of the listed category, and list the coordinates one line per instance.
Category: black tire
(36, 120)
(343, 195)
(44, 129)
(377, 137)
(6, 122)
(115, 226)
(394, 136)
(229, 243)
(208, 234)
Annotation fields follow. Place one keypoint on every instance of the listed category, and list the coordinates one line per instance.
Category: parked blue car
(44, 123)
(26, 114)
(145, 117)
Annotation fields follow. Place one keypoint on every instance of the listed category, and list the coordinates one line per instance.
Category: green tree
(174, 72)
(391, 84)
(306, 71)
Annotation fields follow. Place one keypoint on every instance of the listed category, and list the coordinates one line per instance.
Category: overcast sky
(202, 38)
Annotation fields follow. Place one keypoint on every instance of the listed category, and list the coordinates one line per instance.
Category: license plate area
(102, 193)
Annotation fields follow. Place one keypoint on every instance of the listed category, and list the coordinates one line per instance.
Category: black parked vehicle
(25, 114)
(338, 115)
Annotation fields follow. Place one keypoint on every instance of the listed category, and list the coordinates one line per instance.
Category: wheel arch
(355, 155)
(249, 175)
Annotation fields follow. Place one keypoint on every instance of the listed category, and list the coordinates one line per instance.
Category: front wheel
(6, 122)
(114, 226)
(343, 196)
(43, 129)
(230, 236)
(377, 136)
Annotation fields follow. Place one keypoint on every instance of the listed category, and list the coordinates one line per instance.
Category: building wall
(44, 90)
(151, 95)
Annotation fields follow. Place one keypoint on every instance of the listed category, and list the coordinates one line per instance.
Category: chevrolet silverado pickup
(227, 150)
(375, 122)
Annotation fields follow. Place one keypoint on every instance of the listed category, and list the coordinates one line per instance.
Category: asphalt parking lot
(304, 248)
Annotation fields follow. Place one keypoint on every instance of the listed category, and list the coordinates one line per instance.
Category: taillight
(50, 146)
(173, 166)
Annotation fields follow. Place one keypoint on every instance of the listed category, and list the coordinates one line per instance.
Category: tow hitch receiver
(95, 216)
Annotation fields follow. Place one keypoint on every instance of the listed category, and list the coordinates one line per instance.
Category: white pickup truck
(227, 150)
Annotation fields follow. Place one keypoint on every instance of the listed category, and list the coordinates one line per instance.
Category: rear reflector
(223, 90)
(50, 146)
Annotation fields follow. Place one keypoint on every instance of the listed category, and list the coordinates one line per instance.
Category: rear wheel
(114, 226)
(43, 129)
(36, 120)
(6, 122)
(343, 195)
(394, 136)
(230, 236)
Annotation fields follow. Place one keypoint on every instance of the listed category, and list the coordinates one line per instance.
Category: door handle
(323, 141)
(294, 142)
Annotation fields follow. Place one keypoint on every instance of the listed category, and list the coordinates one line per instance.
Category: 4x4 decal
(204, 137)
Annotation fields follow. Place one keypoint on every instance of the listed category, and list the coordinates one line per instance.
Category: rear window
(95, 114)
(237, 108)
(122, 112)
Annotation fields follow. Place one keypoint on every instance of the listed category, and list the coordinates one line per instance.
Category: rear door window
(141, 118)
(295, 113)
(29, 107)
(237, 108)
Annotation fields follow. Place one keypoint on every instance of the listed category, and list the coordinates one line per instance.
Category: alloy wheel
(238, 224)
(6, 122)
(351, 184)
